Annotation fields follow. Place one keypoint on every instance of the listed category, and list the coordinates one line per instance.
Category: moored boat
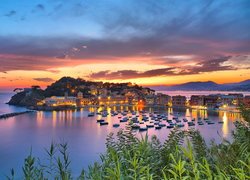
(104, 123)
(143, 129)
(150, 125)
(116, 125)
(91, 114)
(170, 127)
(100, 120)
(157, 127)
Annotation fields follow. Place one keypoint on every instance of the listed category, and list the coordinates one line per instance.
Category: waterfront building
(150, 100)
(132, 100)
(196, 100)
(230, 100)
(179, 101)
(112, 100)
(83, 102)
(163, 99)
(238, 98)
(211, 101)
(60, 101)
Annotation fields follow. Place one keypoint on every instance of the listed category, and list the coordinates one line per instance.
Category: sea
(34, 132)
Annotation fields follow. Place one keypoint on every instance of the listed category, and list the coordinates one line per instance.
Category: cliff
(27, 99)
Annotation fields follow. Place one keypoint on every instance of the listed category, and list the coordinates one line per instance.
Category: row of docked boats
(142, 121)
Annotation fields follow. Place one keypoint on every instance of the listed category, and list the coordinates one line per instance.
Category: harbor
(87, 128)
(143, 120)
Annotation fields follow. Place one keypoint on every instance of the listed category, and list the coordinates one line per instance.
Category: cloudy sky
(148, 42)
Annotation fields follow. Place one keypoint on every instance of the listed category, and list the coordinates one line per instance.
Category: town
(77, 93)
(148, 99)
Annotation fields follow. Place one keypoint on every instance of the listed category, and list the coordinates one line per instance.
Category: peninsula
(68, 93)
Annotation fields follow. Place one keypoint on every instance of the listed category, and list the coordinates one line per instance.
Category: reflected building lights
(187, 112)
(170, 111)
(225, 124)
(54, 117)
(194, 113)
(39, 118)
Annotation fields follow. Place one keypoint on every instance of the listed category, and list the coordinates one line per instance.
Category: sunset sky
(148, 42)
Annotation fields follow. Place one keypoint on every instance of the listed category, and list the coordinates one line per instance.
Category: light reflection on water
(86, 138)
(225, 124)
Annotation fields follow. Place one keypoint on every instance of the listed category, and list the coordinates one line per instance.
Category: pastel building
(163, 99)
(150, 100)
(196, 100)
(60, 101)
(179, 101)
(211, 101)
(112, 100)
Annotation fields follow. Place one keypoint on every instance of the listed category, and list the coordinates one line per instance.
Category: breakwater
(8, 115)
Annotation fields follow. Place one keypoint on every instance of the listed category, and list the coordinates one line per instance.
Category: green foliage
(184, 155)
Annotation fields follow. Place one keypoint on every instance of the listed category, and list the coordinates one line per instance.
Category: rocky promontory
(27, 98)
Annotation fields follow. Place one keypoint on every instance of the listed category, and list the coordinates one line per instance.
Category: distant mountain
(207, 86)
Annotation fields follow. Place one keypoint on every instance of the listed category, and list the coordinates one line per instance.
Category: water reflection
(86, 137)
(54, 118)
(68, 118)
(225, 124)
(39, 118)
(187, 112)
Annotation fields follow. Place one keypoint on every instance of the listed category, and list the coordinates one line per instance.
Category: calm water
(85, 137)
(4, 108)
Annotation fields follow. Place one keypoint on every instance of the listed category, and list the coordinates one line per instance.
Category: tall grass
(184, 155)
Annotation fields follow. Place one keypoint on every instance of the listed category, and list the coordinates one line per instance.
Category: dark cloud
(10, 63)
(11, 13)
(111, 48)
(152, 29)
(130, 74)
(210, 66)
(35, 46)
(38, 8)
(202, 67)
(44, 79)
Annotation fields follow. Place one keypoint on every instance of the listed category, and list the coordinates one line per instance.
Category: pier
(8, 115)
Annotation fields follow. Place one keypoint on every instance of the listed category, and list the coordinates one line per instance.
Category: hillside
(70, 85)
(207, 86)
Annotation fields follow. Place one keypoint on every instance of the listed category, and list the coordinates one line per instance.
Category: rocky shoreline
(8, 115)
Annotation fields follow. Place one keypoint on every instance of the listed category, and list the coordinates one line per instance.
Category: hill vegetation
(70, 85)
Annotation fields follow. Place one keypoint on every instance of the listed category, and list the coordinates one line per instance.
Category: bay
(86, 139)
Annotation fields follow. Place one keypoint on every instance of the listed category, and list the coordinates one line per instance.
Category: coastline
(235, 110)
(8, 115)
